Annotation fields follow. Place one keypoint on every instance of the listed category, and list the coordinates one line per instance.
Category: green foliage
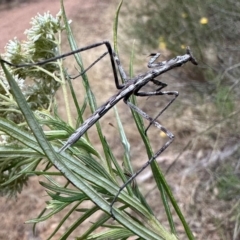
(88, 175)
(210, 28)
(224, 101)
(228, 185)
(205, 26)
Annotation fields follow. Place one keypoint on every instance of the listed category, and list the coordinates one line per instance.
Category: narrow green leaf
(69, 231)
(90, 95)
(79, 221)
(114, 234)
(124, 141)
(115, 27)
(77, 178)
(50, 214)
(11, 129)
(15, 152)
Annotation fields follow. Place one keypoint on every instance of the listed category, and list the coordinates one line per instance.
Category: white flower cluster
(42, 43)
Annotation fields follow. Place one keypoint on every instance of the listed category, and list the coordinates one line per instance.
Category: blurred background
(202, 165)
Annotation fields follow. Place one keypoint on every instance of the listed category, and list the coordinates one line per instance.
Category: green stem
(64, 88)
